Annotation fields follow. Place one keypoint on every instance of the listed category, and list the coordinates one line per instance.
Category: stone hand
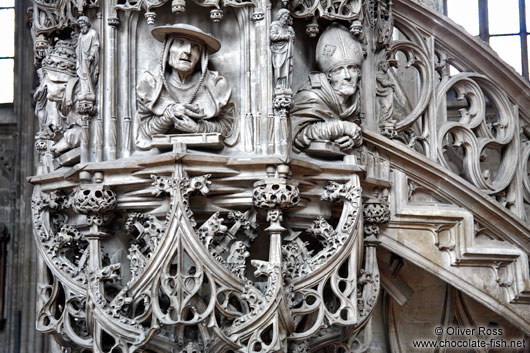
(345, 142)
(352, 130)
(186, 110)
(185, 123)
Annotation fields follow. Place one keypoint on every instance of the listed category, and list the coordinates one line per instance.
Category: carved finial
(150, 16)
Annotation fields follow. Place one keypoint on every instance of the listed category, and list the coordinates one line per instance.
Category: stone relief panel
(180, 95)
(204, 181)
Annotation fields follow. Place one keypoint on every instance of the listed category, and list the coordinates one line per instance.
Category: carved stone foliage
(177, 275)
(51, 15)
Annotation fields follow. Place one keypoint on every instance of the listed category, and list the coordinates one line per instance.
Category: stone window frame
(12, 57)
(524, 30)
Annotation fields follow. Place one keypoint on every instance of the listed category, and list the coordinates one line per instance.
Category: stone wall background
(17, 126)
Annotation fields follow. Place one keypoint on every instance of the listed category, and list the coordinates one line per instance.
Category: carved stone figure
(327, 107)
(357, 30)
(236, 258)
(385, 95)
(183, 94)
(46, 127)
(61, 84)
(384, 23)
(87, 51)
(282, 40)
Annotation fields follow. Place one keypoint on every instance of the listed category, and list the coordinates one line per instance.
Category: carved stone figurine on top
(58, 96)
(385, 99)
(282, 40)
(87, 51)
(327, 107)
(183, 95)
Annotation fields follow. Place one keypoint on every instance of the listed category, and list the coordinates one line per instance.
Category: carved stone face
(356, 30)
(343, 79)
(84, 27)
(286, 19)
(184, 54)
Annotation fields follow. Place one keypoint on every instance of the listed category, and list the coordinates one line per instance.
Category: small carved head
(384, 66)
(284, 16)
(178, 6)
(356, 28)
(312, 29)
(84, 24)
(216, 15)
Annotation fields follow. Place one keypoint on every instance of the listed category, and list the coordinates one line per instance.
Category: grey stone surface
(243, 238)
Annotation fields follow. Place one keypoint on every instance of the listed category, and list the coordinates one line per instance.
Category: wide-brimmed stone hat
(211, 43)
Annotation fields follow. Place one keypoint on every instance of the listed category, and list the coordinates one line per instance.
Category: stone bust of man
(183, 95)
(327, 106)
